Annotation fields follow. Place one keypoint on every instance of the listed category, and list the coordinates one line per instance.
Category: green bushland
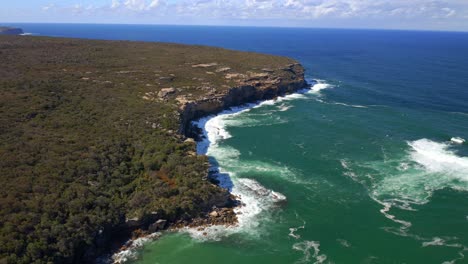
(81, 150)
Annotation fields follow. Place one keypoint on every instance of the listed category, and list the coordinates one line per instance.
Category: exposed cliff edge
(10, 31)
(249, 88)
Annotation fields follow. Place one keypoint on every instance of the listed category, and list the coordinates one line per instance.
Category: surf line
(254, 198)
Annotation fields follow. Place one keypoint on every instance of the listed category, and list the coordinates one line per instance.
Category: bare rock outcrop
(165, 92)
(249, 87)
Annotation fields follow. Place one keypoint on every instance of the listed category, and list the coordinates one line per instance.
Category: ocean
(358, 168)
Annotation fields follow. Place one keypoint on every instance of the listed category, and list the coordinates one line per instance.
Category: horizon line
(244, 26)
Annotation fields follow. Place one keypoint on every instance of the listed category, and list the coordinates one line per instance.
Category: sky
(390, 14)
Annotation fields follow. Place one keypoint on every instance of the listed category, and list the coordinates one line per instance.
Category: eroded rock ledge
(249, 88)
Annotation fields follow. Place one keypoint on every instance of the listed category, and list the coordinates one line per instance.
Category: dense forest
(89, 139)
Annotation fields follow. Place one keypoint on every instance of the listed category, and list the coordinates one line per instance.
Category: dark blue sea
(370, 159)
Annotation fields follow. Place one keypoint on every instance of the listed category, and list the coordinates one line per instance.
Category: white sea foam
(437, 241)
(343, 104)
(283, 107)
(256, 119)
(457, 140)
(305, 247)
(349, 105)
(349, 172)
(214, 126)
(345, 243)
(130, 253)
(293, 230)
(319, 85)
(437, 157)
(256, 200)
(387, 206)
(459, 113)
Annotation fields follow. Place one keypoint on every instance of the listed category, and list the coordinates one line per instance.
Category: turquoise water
(358, 169)
(364, 184)
(364, 160)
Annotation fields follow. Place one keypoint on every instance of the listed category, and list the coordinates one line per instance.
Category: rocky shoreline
(10, 31)
(116, 120)
(249, 89)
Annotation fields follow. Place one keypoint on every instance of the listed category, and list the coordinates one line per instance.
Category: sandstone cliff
(250, 88)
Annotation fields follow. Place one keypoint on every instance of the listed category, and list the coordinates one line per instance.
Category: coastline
(146, 174)
(99, 121)
(204, 229)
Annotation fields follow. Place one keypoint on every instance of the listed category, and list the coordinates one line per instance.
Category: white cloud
(450, 12)
(283, 11)
(154, 4)
(296, 9)
(135, 5)
(115, 4)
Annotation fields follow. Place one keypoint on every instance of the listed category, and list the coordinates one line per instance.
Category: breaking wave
(429, 166)
(130, 253)
(426, 167)
(319, 85)
(410, 180)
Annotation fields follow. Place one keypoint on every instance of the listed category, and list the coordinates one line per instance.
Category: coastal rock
(205, 65)
(165, 92)
(214, 214)
(168, 78)
(133, 222)
(234, 76)
(182, 100)
(256, 86)
(258, 76)
(190, 141)
(223, 69)
(158, 225)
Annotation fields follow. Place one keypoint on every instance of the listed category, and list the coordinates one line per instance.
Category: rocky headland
(101, 133)
(10, 31)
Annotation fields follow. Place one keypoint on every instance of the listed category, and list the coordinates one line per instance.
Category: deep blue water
(366, 163)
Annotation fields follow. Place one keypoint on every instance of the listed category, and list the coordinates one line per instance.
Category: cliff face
(10, 31)
(251, 88)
